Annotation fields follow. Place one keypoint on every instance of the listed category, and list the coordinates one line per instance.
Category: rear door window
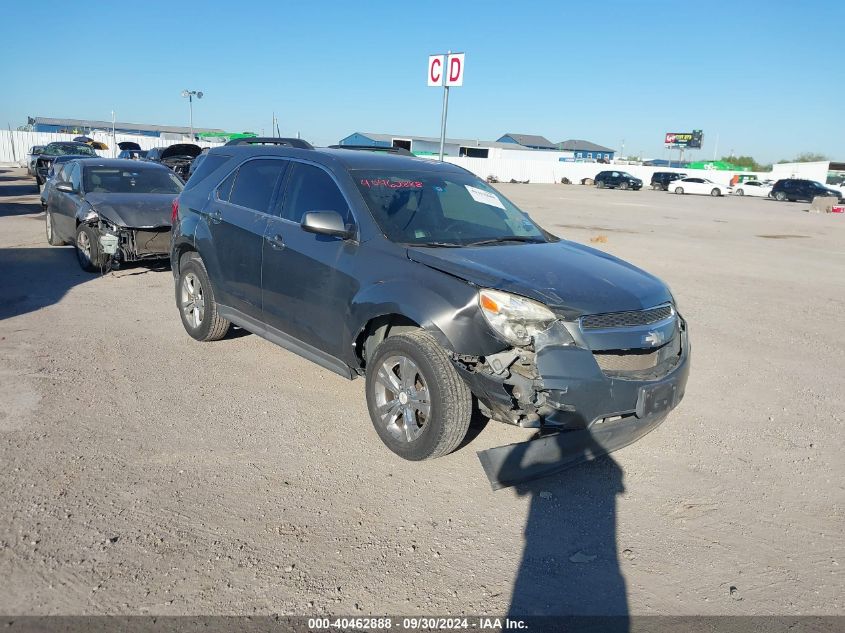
(256, 182)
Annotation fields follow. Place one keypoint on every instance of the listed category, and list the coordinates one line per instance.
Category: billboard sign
(685, 140)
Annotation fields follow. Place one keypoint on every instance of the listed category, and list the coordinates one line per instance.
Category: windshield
(66, 149)
(429, 208)
(112, 180)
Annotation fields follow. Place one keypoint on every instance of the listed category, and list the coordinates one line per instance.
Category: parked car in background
(31, 156)
(113, 210)
(660, 179)
(701, 186)
(133, 154)
(54, 175)
(755, 188)
(795, 189)
(617, 180)
(177, 157)
(195, 164)
(59, 148)
(425, 279)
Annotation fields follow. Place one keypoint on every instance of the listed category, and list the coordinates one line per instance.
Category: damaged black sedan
(112, 210)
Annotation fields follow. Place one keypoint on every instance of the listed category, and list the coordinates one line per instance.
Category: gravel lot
(144, 472)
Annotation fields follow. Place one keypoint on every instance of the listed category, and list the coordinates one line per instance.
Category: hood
(133, 210)
(181, 149)
(575, 279)
(128, 145)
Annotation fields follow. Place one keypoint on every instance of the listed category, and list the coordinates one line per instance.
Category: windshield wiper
(435, 244)
(511, 238)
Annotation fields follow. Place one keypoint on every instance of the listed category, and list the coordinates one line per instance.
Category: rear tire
(600, 184)
(196, 303)
(50, 227)
(425, 413)
(679, 190)
(780, 196)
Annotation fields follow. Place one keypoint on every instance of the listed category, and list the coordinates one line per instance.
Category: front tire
(88, 249)
(419, 405)
(196, 303)
(679, 190)
(623, 185)
(715, 192)
(740, 192)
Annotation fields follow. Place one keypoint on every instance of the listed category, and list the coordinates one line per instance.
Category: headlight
(514, 318)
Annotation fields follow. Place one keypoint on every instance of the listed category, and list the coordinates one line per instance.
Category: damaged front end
(120, 244)
(591, 385)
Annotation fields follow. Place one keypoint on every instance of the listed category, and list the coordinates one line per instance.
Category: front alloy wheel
(419, 405)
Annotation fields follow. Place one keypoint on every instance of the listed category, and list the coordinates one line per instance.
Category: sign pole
(443, 121)
(445, 109)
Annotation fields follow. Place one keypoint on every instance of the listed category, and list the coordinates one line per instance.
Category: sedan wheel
(623, 185)
(740, 192)
(600, 184)
(780, 196)
(715, 192)
(679, 190)
(88, 249)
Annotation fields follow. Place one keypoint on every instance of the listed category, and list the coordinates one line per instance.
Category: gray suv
(432, 285)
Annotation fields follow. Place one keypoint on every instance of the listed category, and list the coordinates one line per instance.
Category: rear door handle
(276, 242)
(215, 216)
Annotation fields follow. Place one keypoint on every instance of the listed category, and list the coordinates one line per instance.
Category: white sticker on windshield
(484, 197)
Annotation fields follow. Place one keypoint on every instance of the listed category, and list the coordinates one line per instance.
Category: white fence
(543, 171)
(14, 145)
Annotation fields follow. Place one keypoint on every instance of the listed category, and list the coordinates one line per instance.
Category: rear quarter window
(209, 165)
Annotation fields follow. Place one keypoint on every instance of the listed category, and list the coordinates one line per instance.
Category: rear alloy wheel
(600, 184)
(740, 192)
(780, 196)
(197, 307)
(715, 192)
(623, 185)
(679, 190)
(419, 405)
(52, 238)
(88, 249)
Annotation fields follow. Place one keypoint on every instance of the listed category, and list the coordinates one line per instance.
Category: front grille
(626, 319)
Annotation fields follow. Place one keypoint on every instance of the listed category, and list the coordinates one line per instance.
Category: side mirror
(66, 187)
(325, 223)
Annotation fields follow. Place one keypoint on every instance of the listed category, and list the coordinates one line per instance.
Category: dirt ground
(143, 472)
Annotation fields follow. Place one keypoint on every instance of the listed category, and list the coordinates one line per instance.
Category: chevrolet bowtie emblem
(654, 338)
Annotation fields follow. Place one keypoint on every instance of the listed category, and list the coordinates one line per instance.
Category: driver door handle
(216, 216)
(276, 242)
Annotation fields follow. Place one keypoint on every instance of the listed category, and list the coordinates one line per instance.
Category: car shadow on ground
(34, 278)
(570, 563)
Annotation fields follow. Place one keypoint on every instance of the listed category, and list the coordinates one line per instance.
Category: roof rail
(373, 148)
(271, 140)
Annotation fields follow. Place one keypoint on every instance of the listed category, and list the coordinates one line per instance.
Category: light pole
(191, 94)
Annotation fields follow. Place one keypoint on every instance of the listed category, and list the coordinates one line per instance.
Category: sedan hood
(573, 278)
(133, 210)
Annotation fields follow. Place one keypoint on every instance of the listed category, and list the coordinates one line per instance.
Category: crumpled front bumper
(606, 413)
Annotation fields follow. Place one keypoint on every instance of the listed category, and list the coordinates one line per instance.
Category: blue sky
(752, 73)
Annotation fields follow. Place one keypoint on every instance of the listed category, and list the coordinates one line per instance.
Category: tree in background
(806, 157)
(744, 161)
